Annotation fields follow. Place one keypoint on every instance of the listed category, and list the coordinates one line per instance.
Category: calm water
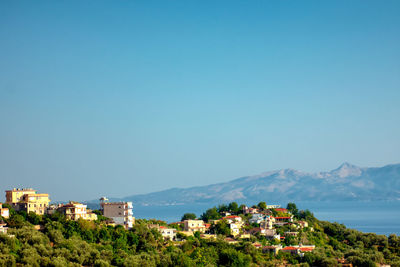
(370, 217)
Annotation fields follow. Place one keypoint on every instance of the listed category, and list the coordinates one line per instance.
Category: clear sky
(127, 97)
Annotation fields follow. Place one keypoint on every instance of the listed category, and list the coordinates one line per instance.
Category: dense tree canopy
(61, 242)
(188, 216)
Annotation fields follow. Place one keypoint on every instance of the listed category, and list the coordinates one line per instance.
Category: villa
(28, 200)
(194, 226)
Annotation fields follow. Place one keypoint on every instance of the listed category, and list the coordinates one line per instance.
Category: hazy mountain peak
(289, 173)
(347, 182)
(346, 170)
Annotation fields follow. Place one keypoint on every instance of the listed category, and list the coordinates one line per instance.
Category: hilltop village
(270, 221)
(37, 233)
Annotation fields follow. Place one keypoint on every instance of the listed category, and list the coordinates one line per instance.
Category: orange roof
(282, 217)
(281, 209)
(306, 249)
(231, 217)
(163, 227)
(289, 248)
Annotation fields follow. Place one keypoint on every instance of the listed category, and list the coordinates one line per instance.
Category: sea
(381, 217)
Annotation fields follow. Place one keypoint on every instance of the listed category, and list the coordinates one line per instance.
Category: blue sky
(126, 97)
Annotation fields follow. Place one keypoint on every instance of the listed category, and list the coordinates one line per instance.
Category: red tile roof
(306, 249)
(289, 248)
(231, 217)
(281, 209)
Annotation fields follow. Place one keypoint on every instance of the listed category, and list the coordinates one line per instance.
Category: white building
(167, 233)
(233, 219)
(4, 212)
(257, 218)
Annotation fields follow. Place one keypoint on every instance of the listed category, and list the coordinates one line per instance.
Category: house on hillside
(270, 233)
(273, 206)
(233, 219)
(120, 212)
(75, 211)
(283, 220)
(235, 224)
(27, 199)
(167, 233)
(299, 250)
(267, 223)
(4, 212)
(257, 218)
(247, 210)
(194, 226)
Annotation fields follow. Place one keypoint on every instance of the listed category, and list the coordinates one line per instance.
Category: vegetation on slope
(61, 242)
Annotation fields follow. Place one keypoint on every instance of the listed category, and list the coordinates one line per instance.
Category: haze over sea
(379, 217)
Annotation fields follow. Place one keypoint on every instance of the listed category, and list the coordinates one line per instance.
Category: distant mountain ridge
(347, 182)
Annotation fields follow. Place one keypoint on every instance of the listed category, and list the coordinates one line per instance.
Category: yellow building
(75, 210)
(28, 200)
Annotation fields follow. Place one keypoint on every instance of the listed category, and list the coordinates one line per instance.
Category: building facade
(194, 226)
(75, 211)
(27, 200)
(120, 212)
(4, 212)
(168, 233)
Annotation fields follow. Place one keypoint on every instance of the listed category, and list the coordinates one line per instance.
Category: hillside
(347, 182)
(299, 239)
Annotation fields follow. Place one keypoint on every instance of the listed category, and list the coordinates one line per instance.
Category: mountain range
(347, 182)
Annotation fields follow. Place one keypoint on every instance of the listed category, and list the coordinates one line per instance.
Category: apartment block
(28, 200)
(120, 212)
